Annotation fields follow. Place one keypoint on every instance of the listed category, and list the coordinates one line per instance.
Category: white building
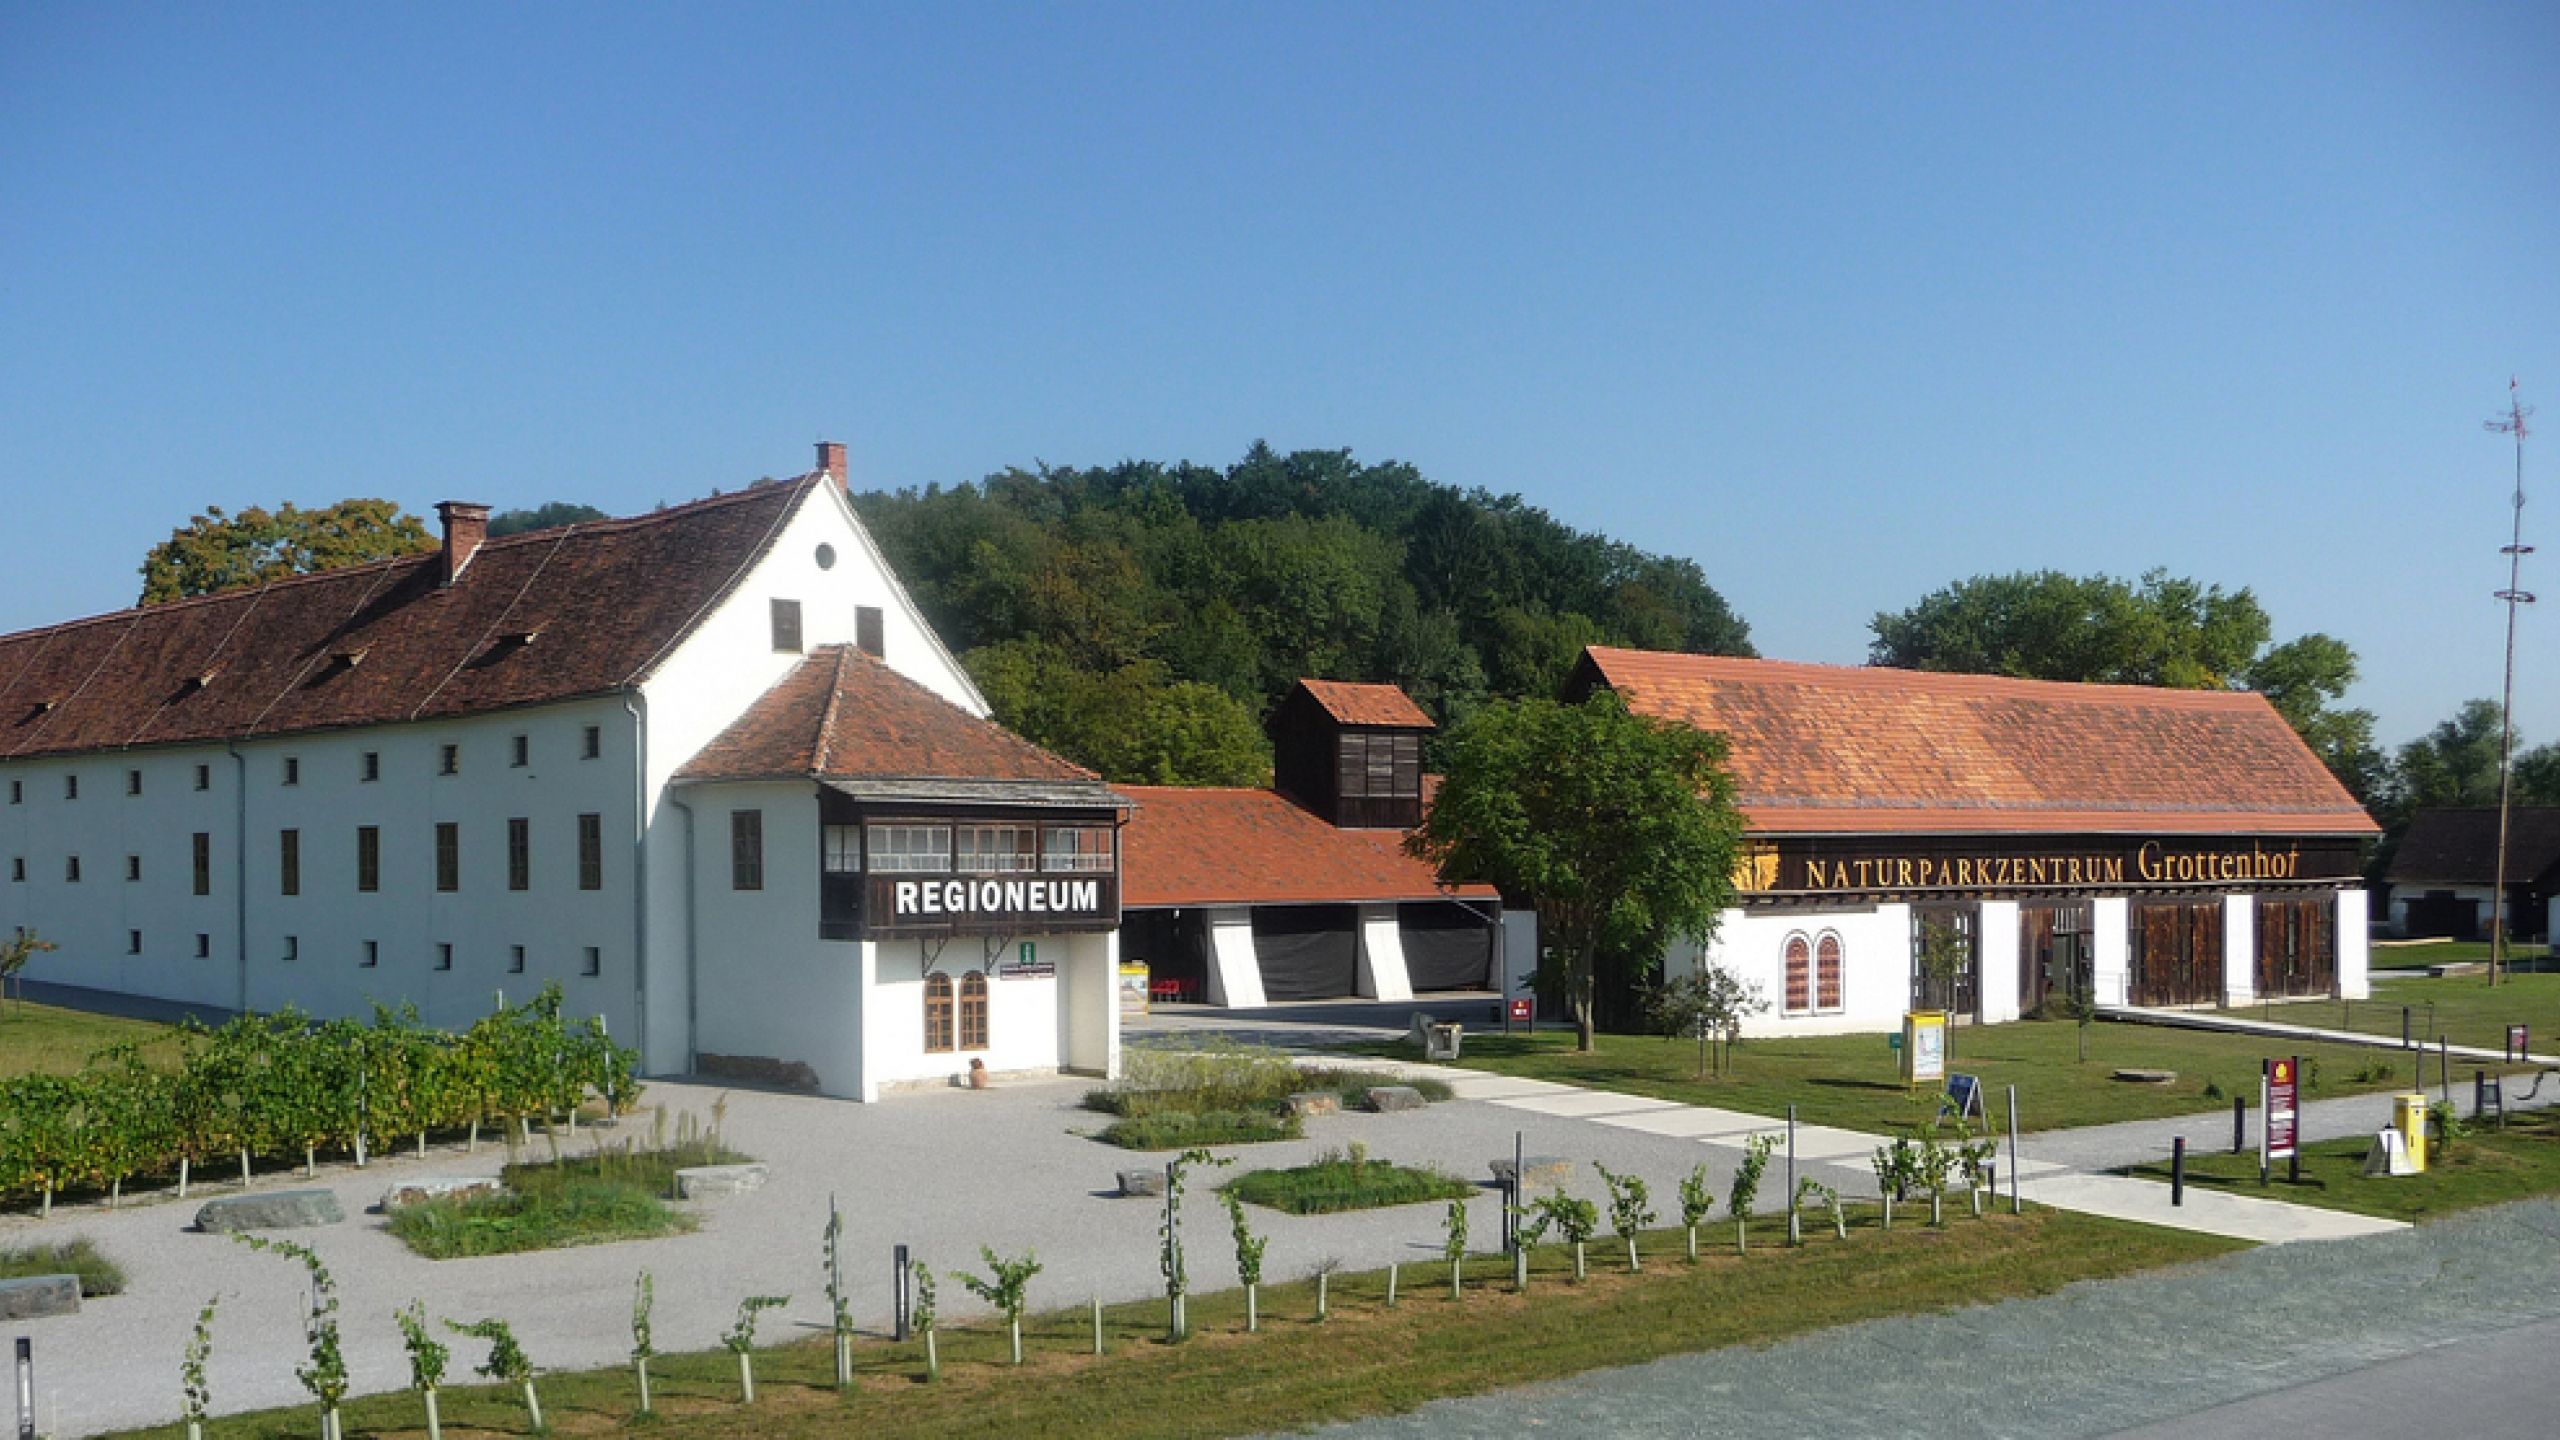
(2144, 846)
(493, 766)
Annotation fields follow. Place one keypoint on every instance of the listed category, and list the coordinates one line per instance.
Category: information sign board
(1524, 1010)
(2516, 1037)
(1924, 1047)
(2283, 1085)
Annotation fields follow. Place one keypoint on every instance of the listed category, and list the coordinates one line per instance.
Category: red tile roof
(1355, 704)
(1839, 749)
(840, 714)
(603, 602)
(1187, 846)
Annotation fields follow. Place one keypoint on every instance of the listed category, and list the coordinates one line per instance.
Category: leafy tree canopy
(215, 552)
(1620, 829)
(1239, 581)
(545, 517)
(2164, 630)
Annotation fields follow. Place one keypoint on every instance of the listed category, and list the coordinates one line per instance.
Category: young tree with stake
(922, 1316)
(1746, 1187)
(427, 1357)
(507, 1363)
(740, 1340)
(644, 1299)
(1630, 1209)
(1696, 1200)
(326, 1376)
(1574, 1221)
(193, 1386)
(1006, 1286)
(1454, 1247)
(1249, 1248)
(840, 1311)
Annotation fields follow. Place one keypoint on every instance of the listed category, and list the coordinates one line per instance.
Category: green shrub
(555, 1215)
(1337, 1183)
(98, 1274)
(1186, 1130)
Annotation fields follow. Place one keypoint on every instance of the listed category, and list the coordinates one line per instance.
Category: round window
(826, 557)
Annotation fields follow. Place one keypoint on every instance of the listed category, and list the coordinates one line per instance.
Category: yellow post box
(2409, 1117)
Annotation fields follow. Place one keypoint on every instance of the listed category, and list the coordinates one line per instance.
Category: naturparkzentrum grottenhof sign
(1851, 866)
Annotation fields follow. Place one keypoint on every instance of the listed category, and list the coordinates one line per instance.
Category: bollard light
(26, 1388)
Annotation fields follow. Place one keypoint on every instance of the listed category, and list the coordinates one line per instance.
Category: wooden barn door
(2179, 959)
(2297, 947)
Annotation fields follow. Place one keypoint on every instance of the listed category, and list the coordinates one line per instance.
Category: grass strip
(2487, 1167)
(1336, 1183)
(1365, 1359)
(1184, 1129)
(612, 1194)
(48, 1040)
(98, 1274)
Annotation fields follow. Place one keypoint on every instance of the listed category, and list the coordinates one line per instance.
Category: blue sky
(1843, 302)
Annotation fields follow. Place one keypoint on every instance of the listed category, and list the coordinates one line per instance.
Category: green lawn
(41, 1039)
(1337, 1183)
(2466, 1009)
(2487, 1168)
(1850, 1080)
(2419, 954)
(1365, 1359)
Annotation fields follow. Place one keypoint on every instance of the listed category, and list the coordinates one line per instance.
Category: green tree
(2538, 775)
(2454, 764)
(216, 551)
(15, 952)
(542, 517)
(1617, 828)
(1710, 1002)
(1133, 725)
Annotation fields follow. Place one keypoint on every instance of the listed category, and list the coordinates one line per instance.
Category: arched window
(973, 1011)
(937, 1013)
(1799, 974)
(1826, 971)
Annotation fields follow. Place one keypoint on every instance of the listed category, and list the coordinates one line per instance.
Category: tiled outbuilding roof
(841, 714)
(2460, 847)
(1211, 846)
(581, 610)
(1839, 749)
(1350, 703)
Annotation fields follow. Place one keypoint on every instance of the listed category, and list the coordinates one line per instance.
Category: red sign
(1524, 1011)
(2515, 1040)
(2282, 1087)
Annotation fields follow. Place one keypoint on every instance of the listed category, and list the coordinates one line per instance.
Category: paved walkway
(2281, 1030)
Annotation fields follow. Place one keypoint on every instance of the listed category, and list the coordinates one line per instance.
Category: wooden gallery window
(937, 1014)
(996, 849)
(839, 882)
(1799, 998)
(973, 1011)
(1379, 766)
(2177, 952)
(1829, 959)
(746, 849)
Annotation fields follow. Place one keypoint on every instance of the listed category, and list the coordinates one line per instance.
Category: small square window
(71, 868)
(594, 962)
(372, 955)
(519, 751)
(372, 765)
(133, 942)
(292, 948)
(449, 760)
(515, 959)
(133, 867)
(293, 769)
(594, 742)
(204, 777)
(204, 946)
(444, 955)
(133, 782)
(70, 787)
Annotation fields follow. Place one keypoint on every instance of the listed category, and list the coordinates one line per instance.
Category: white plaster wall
(2239, 949)
(2111, 948)
(767, 986)
(1089, 1005)
(1026, 1018)
(1875, 965)
(1235, 975)
(1382, 973)
(2355, 948)
(1996, 979)
(1519, 949)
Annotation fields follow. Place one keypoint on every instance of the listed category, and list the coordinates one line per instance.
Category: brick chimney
(465, 526)
(831, 459)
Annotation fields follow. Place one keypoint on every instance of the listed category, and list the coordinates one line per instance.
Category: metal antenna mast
(2514, 595)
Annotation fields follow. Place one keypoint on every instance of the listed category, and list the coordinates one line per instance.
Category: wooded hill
(1141, 619)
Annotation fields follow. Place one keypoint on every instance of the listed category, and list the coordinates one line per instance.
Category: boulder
(1315, 1102)
(38, 1296)
(2148, 1077)
(706, 1182)
(441, 1187)
(275, 1210)
(1537, 1172)
(1138, 1183)
(1388, 1098)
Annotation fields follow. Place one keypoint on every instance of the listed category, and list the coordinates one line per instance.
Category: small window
(70, 787)
(840, 849)
(204, 862)
(866, 631)
(448, 856)
(937, 1014)
(593, 742)
(444, 955)
(204, 946)
(909, 848)
(515, 959)
(133, 782)
(746, 849)
(372, 955)
(18, 867)
(133, 942)
(293, 769)
(519, 751)
(133, 867)
(289, 862)
(591, 852)
(592, 962)
(204, 777)
(292, 948)
(371, 770)
(995, 849)
(786, 626)
(18, 790)
(448, 759)
(1799, 993)
(1826, 970)
(973, 1011)
(1077, 847)
(519, 853)
(826, 556)
(368, 858)
(71, 868)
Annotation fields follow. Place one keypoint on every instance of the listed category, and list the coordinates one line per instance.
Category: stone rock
(38, 1296)
(1139, 1183)
(275, 1210)
(705, 1182)
(1315, 1102)
(1537, 1172)
(2148, 1077)
(1387, 1098)
(441, 1187)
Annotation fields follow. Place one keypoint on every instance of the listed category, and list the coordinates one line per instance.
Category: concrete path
(2280, 1030)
